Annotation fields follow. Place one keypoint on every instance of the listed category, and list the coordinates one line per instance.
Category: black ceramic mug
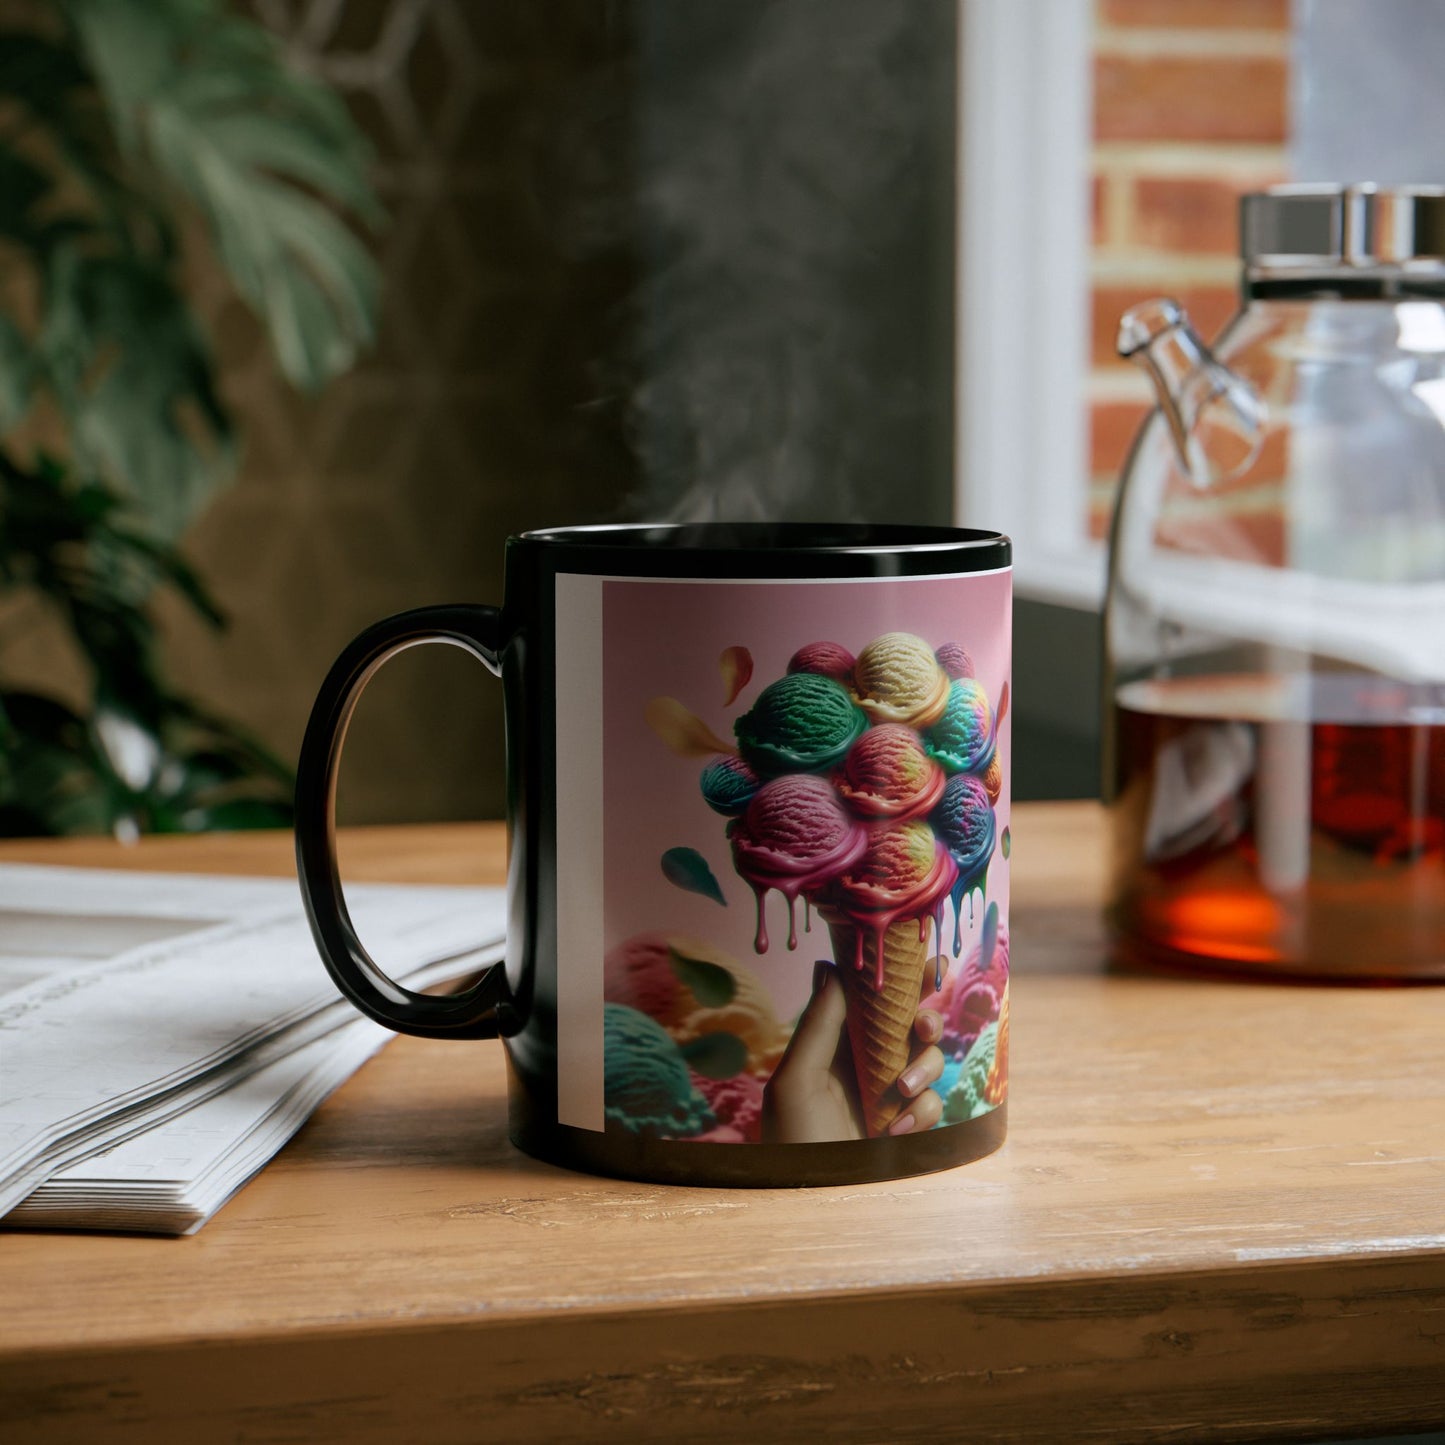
(758, 803)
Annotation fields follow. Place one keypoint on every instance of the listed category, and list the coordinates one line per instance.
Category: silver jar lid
(1330, 228)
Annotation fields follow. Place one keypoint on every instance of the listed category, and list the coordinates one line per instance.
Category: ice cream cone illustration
(866, 787)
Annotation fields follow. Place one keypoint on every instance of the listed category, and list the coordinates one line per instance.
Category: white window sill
(1063, 579)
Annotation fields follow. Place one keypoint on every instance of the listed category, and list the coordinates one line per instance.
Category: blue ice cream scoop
(963, 817)
(728, 785)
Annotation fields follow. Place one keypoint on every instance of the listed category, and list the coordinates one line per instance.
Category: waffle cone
(880, 1021)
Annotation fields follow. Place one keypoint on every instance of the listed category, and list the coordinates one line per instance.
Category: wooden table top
(1220, 1212)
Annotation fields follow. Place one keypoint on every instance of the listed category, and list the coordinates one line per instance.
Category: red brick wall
(1190, 110)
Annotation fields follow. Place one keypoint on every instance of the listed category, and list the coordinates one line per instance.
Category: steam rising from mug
(789, 336)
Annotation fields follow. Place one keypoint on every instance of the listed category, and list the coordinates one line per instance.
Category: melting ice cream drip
(796, 836)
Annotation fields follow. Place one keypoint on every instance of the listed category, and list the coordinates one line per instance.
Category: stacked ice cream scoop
(865, 786)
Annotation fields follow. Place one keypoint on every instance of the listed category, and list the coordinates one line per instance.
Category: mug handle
(472, 1014)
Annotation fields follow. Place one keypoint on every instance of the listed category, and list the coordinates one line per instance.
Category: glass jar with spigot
(1275, 625)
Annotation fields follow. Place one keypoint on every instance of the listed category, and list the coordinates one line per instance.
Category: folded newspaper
(162, 1036)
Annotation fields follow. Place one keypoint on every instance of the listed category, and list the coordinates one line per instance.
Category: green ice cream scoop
(646, 1085)
(802, 723)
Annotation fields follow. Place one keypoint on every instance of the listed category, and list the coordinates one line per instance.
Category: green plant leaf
(22, 187)
(710, 983)
(171, 567)
(265, 153)
(134, 376)
(37, 72)
(55, 97)
(110, 119)
(716, 1056)
(17, 371)
(50, 781)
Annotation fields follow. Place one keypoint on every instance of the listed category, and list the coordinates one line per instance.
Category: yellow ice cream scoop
(898, 679)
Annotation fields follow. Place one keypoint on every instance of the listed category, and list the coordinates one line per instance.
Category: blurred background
(628, 258)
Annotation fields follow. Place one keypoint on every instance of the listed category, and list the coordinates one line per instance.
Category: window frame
(1025, 127)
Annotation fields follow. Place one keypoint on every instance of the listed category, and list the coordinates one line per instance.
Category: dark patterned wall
(480, 413)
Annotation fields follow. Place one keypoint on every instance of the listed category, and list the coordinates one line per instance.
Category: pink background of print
(664, 639)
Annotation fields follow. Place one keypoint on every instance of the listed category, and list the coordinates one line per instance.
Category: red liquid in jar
(1281, 826)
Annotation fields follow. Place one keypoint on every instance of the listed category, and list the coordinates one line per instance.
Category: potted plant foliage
(126, 125)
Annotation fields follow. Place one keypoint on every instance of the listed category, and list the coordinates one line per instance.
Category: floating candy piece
(682, 730)
(710, 984)
(827, 659)
(1007, 844)
(963, 738)
(687, 869)
(728, 785)
(993, 777)
(888, 775)
(736, 664)
(989, 941)
(801, 723)
(954, 660)
(898, 679)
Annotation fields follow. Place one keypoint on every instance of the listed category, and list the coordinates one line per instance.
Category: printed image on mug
(804, 825)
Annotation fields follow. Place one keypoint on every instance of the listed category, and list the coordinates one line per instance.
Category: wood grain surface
(1220, 1214)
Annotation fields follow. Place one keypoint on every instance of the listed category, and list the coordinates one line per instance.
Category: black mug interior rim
(806, 546)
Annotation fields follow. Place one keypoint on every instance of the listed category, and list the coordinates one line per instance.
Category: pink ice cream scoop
(638, 972)
(737, 1104)
(903, 869)
(955, 660)
(796, 836)
(971, 996)
(887, 774)
(827, 659)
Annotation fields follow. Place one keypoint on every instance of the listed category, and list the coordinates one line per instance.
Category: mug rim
(774, 539)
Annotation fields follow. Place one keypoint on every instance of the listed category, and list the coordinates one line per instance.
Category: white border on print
(578, 708)
(801, 581)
